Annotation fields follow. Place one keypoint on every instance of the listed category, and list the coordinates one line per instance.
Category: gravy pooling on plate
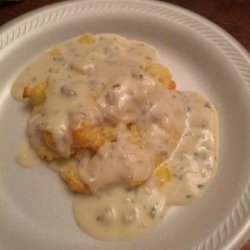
(108, 117)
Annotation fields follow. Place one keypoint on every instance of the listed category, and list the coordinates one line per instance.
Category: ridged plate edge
(235, 53)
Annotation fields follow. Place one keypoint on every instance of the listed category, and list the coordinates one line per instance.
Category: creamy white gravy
(26, 156)
(106, 81)
(120, 214)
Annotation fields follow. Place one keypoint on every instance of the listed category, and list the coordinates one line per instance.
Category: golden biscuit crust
(70, 174)
(92, 136)
(160, 73)
(36, 93)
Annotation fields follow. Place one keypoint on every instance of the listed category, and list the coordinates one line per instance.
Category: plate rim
(239, 217)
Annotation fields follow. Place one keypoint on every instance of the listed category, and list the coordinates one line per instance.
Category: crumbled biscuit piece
(70, 175)
(36, 93)
(161, 73)
(162, 173)
(87, 38)
(92, 136)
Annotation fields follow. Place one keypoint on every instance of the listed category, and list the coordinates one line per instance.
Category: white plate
(35, 208)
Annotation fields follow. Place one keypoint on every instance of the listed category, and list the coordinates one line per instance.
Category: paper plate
(35, 207)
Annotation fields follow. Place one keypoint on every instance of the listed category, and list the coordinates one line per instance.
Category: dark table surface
(231, 15)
